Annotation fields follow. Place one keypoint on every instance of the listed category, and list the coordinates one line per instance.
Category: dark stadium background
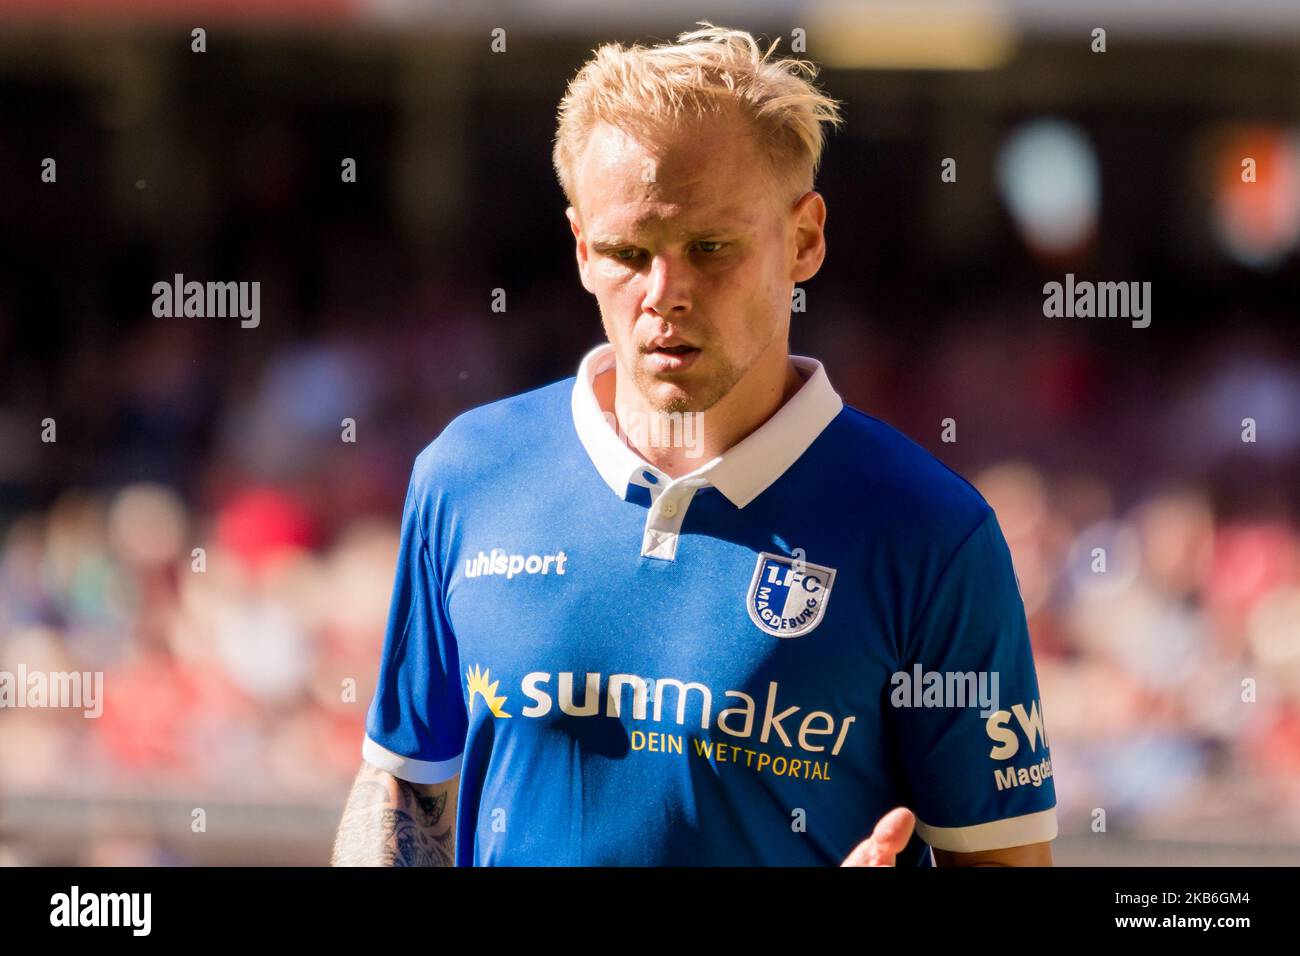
(223, 689)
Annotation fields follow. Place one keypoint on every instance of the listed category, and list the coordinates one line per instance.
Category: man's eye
(707, 246)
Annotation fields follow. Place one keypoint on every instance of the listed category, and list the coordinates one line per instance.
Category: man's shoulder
(894, 477)
(497, 436)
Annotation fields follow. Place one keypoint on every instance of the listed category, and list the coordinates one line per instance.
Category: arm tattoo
(407, 844)
(429, 809)
(391, 822)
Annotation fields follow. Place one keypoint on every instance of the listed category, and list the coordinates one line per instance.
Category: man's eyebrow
(727, 224)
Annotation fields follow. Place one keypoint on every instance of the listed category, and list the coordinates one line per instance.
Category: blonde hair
(645, 89)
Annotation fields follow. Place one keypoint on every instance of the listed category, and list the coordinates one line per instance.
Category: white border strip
(408, 768)
(997, 835)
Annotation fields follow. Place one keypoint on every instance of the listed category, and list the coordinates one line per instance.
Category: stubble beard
(713, 390)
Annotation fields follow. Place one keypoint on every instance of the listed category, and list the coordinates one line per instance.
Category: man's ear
(809, 215)
(580, 245)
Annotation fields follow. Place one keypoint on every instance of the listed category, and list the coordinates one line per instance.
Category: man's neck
(679, 444)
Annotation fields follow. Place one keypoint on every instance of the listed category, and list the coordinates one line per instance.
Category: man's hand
(886, 841)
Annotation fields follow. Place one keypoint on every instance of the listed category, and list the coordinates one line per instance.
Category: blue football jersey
(746, 665)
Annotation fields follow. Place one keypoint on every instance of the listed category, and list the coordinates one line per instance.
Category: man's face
(689, 254)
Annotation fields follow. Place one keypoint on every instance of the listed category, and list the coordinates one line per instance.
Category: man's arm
(392, 822)
(894, 829)
(1031, 854)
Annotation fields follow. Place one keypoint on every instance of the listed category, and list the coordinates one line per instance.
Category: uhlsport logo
(499, 562)
(788, 597)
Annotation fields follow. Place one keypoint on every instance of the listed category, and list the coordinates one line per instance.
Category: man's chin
(693, 390)
(666, 396)
(671, 398)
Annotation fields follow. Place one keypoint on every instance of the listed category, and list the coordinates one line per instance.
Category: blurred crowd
(236, 606)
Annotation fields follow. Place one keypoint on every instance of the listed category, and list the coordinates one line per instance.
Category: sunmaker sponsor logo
(690, 705)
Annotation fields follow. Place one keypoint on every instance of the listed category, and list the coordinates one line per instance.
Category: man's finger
(887, 840)
(894, 829)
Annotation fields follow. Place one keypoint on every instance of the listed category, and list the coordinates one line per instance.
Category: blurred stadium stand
(225, 688)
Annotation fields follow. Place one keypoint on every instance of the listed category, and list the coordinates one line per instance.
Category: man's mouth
(672, 358)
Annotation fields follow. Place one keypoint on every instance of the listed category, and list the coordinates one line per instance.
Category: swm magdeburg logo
(788, 596)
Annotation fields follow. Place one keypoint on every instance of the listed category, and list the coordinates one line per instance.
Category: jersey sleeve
(416, 725)
(972, 739)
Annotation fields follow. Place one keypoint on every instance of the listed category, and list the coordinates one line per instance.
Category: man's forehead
(614, 218)
(643, 196)
(665, 174)
(645, 175)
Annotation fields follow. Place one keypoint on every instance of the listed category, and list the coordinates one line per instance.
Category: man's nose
(668, 286)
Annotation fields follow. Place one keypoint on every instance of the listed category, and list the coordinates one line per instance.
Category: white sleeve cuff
(408, 768)
(997, 835)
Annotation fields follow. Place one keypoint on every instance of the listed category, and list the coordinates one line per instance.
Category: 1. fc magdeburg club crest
(788, 597)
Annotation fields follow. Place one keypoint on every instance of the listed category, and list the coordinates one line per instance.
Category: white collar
(742, 472)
